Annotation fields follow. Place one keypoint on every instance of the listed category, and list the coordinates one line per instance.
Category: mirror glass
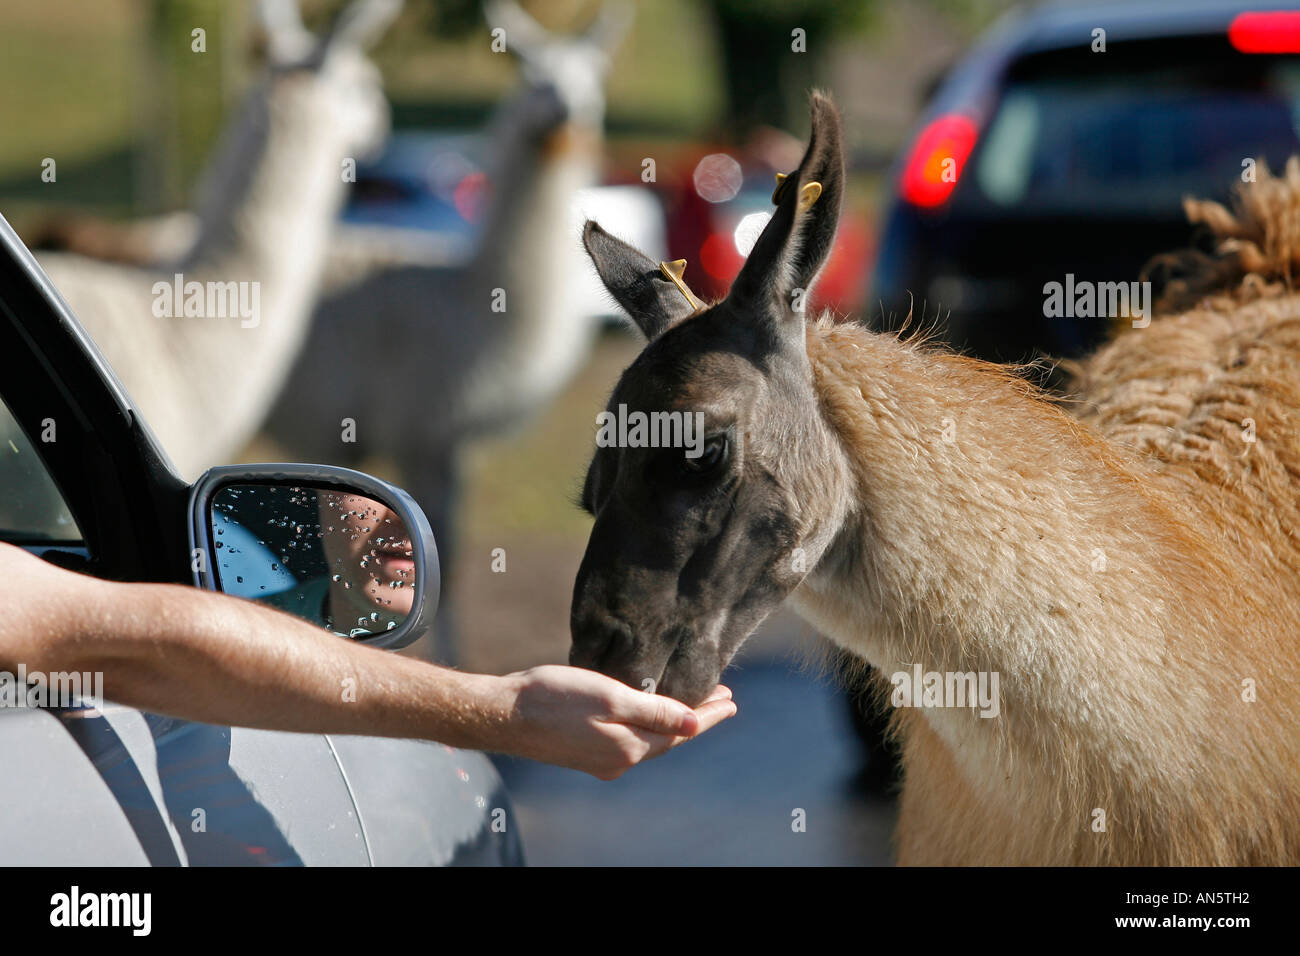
(337, 559)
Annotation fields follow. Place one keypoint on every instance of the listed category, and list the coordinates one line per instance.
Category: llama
(423, 359)
(204, 382)
(1130, 572)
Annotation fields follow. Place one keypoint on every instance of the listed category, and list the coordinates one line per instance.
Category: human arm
(216, 659)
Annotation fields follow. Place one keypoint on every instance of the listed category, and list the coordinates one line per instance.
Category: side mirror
(336, 547)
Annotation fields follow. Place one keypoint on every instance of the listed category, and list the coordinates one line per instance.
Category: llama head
(565, 74)
(693, 546)
(328, 82)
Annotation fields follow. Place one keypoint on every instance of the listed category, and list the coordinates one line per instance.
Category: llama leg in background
(880, 771)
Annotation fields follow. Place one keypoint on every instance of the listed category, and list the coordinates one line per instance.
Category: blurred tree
(766, 77)
(451, 18)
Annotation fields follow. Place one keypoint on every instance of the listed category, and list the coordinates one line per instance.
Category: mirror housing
(206, 558)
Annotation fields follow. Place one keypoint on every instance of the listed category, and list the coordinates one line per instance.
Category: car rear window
(1136, 139)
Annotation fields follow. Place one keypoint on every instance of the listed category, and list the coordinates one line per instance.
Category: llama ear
(288, 41)
(785, 261)
(654, 294)
(611, 24)
(524, 35)
(363, 22)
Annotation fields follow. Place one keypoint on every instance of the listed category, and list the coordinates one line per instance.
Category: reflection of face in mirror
(340, 560)
(361, 534)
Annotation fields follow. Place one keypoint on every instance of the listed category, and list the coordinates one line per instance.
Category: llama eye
(709, 460)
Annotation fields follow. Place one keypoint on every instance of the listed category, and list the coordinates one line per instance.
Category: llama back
(1210, 392)
(1208, 395)
(1188, 484)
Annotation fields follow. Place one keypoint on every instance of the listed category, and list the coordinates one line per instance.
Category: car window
(32, 510)
(1138, 140)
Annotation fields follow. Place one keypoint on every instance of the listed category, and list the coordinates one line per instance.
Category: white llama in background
(424, 358)
(273, 192)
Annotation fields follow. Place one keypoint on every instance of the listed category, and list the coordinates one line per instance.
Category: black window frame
(114, 477)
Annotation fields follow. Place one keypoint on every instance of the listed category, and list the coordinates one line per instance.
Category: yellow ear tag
(809, 195)
(776, 193)
(674, 272)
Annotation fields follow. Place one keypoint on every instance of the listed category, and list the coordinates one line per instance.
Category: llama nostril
(599, 643)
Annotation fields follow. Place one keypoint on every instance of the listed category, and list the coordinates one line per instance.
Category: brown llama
(1126, 564)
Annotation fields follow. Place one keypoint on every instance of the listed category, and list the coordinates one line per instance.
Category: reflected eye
(710, 459)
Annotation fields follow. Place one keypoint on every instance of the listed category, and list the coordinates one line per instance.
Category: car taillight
(720, 258)
(1266, 32)
(469, 195)
(936, 160)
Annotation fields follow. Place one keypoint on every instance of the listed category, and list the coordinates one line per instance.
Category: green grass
(67, 69)
(664, 75)
(129, 114)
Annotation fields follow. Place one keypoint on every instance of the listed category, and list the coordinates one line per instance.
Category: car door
(85, 485)
(89, 488)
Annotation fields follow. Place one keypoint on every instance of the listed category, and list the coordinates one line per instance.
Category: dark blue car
(1060, 149)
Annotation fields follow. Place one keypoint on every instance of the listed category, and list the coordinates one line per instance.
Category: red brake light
(469, 195)
(1266, 32)
(937, 159)
(719, 257)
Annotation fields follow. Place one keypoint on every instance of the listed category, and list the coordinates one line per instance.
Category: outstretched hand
(586, 721)
(222, 660)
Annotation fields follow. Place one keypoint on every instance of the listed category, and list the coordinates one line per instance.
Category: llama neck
(272, 197)
(533, 182)
(990, 532)
(275, 193)
(530, 248)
